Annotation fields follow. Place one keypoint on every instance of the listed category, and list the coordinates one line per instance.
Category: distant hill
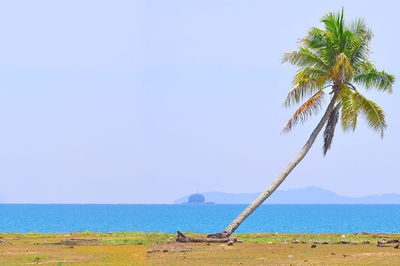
(309, 195)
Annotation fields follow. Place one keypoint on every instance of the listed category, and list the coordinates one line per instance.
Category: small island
(197, 199)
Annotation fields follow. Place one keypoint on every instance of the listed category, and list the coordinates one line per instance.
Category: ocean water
(62, 218)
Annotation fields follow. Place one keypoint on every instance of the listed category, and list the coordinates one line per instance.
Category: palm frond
(363, 66)
(333, 21)
(314, 39)
(358, 50)
(371, 77)
(335, 24)
(359, 27)
(309, 108)
(349, 112)
(294, 95)
(322, 45)
(306, 82)
(372, 113)
(304, 58)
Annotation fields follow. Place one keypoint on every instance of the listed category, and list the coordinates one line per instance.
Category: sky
(146, 101)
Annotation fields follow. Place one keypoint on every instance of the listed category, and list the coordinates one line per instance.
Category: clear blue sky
(145, 101)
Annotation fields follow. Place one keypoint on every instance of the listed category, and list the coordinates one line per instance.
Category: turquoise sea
(62, 218)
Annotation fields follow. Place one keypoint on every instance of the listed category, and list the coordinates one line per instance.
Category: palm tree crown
(337, 58)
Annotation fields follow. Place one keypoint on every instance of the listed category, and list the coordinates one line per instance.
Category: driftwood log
(187, 238)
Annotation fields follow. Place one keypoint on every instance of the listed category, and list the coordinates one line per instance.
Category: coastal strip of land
(137, 248)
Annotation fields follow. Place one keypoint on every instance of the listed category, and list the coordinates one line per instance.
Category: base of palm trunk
(187, 238)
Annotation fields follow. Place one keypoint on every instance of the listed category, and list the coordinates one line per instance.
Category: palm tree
(333, 61)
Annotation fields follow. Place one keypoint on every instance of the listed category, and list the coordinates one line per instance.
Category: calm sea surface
(202, 219)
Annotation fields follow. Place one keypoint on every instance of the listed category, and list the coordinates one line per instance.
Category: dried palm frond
(309, 108)
(342, 71)
(330, 128)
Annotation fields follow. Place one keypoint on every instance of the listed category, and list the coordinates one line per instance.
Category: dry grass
(161, 249)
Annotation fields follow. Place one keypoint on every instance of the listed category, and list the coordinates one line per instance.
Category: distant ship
(197, 199)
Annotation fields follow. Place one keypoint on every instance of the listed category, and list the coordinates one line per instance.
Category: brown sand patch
(276, 254)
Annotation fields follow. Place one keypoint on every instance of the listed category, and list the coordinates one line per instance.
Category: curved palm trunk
(275, 184)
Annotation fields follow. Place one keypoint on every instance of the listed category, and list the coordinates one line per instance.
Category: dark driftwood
(75, 242)
(382, 243)
(187, 238)
(218, 235)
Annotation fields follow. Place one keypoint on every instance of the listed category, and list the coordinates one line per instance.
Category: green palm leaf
(349, 111)
(305, 58)
(372, 113)
(372, 78)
